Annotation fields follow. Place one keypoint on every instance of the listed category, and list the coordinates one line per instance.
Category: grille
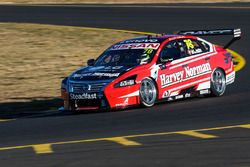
(87, 87)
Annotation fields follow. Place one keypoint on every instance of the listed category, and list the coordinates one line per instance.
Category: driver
(144, 59)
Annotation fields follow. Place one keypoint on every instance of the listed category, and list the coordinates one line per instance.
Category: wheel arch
(218, 67)
(214, 92)
(156, 85)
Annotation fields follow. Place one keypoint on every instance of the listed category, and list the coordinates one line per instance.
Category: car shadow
(48, 107)
(29, 107)
(37, 107)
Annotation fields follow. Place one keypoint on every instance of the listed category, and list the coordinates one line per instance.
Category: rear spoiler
(236, 33)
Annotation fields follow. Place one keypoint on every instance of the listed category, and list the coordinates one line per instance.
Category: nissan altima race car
(148, 69)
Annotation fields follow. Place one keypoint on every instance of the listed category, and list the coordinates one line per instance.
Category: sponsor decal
(197, 51)
(187, 95)
(165, 94)
(106, 74)
(136, 46)
(83, 96)
(187, 73)
(105, 69)
(191, 48)
(170, 99)
(179, 97)
(96, 74)
(194, 71)
(207, 32)
(205, 91)
(127, 83)
(113, 67)
(125, 103)
(189, 44)
(171, 78)
(140, 41)
(154, 71)
(177, 37)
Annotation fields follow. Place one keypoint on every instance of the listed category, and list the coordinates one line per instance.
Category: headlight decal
(129, 81)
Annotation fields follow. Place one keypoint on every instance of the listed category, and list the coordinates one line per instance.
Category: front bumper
(95, 101)
(107, 97)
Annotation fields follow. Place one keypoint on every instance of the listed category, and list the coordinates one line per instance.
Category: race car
(149, 69)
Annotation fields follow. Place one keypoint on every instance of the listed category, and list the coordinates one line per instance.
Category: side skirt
(185, 95)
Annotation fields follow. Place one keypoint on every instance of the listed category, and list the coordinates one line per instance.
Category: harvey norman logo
(185, 74)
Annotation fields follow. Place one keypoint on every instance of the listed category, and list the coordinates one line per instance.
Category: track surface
(230, 148)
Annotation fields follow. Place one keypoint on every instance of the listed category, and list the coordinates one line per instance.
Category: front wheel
(218, 83)
(148, 92)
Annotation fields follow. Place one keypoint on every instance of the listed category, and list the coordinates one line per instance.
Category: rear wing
(236, 33)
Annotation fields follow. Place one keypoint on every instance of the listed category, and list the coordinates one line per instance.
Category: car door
(195, 64)
(170, 76)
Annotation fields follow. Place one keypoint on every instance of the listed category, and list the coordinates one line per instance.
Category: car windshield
(125, 57)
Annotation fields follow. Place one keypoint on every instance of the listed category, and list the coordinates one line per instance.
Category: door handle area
(162, 66)
(207, 58)
(185, 65)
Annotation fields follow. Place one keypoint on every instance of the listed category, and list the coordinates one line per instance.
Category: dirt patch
(114, 1)
(34, 58)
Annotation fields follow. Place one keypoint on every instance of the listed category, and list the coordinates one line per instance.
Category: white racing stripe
(203, 57)
(189, 84)
(230, 78)
(204, 85)
(136, 93)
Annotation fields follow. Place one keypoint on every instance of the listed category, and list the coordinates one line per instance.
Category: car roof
(147, 39)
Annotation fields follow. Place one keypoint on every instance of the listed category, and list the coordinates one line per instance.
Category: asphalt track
(193, 132)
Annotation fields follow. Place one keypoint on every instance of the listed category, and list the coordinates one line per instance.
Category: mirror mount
(162, 66)
(91, 62)
(163, 61)
(166, 59)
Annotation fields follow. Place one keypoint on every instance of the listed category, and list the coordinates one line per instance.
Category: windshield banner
(136, 46)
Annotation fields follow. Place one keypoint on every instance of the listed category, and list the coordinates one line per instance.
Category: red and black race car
(145, 70)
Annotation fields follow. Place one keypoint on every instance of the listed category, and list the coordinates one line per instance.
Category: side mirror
(91, 62)
(166, 58)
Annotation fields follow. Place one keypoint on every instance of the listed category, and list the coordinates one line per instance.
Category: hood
(98, 73)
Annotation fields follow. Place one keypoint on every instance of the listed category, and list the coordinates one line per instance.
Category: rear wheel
(218, 83)
(148, 92)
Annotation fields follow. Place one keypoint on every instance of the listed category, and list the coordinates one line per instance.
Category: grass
(114, 1)
(34, 58)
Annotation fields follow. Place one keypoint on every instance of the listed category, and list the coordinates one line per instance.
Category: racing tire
(71, 106)
(218, 83)
(148, 92)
